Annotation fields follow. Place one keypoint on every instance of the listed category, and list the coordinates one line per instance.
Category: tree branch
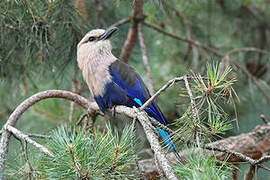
(145, 59)
(249, 147)
(154, 143)
(195, 43)
(20, 135)
(91, 108)
(132, 32)
(121, 22)
(195, 51)
(163, 88)
(194, 112)
(13, 118)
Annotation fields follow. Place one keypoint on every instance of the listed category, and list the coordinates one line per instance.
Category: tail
(154, 112)
(168, 142)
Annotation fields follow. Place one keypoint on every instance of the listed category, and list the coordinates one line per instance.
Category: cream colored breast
(96, 74)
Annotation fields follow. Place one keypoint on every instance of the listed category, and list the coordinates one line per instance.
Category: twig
(194, 112)
(155, 146)
(39, 136)
(194, 49)
(26, 157)
(75, 165)
(218, 53)
(241, 156)
(262, 159)
(247, 49)
(121, 22)
(25, 154)
(79, 122)
(195, 43)
(20, 135)
(145, 59)
(165, 128)
(133, 130)
(163, 88)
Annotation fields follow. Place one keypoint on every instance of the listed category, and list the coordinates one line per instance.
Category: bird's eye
(91, 38)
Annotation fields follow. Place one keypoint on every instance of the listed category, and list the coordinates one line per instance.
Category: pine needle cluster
(202, 167)
(79, 155)
(212, 93)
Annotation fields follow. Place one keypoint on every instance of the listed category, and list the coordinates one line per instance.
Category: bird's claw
(113, 111)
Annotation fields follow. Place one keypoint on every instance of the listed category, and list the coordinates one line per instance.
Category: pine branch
(248, 147)
(145, 59)
(91, 108)
(194, 112)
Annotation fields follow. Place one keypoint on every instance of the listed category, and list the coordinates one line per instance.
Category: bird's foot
(113, 111)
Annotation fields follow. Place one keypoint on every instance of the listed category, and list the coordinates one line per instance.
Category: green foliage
(38, 51)
(202, 167)
(102, 155)
(211, 93)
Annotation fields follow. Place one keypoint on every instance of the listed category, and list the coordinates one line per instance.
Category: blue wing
(127, 88)
(128, 80)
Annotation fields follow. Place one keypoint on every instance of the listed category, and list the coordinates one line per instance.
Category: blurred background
(38, 42)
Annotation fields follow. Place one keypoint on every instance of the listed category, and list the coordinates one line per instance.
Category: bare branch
(145, 59)
(92, 108)
(155, 146)
(189, 36)
(194, 112)
(241, 156)
(163, 88)
(82, 117)
(195, 43)
(20, 135)
(133, 130)
(132, 32)
(27, 158)
(121, 22)
(262, 159)
(246, 49)
(39, 136)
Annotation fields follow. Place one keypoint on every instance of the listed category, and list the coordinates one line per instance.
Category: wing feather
(130, 81)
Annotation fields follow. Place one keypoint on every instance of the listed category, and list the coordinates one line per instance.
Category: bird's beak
(108, 33)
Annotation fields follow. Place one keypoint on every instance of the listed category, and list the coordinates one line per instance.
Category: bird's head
(95, 44)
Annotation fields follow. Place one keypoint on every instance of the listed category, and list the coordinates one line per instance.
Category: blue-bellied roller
(113, 82)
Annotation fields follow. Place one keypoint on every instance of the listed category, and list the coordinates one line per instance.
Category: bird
(113, 82)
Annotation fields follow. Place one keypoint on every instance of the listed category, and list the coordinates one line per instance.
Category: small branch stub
(20, 135)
